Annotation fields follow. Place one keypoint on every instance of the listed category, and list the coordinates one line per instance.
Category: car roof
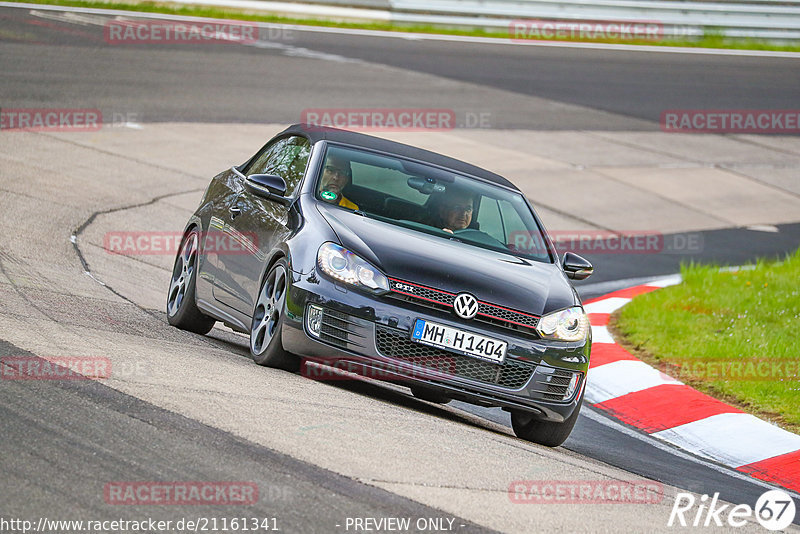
(320, 133)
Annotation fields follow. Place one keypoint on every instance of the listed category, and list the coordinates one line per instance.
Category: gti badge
(465, 305)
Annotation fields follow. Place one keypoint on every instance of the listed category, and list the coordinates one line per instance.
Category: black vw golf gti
(331, 247)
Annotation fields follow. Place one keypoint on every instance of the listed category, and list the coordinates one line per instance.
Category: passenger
(336, 175)
(455, 211)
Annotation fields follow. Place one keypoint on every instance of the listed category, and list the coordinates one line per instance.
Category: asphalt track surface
(122, 437)
(268, 80)
(62, 440)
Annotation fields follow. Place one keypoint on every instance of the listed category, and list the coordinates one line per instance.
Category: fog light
(314, 319)
(573, 384)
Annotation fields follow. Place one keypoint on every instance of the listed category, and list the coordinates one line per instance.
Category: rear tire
(430, 395)
(548, 433)
(182, 310)
(268, 315)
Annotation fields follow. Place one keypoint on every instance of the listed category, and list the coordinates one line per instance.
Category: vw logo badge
(465, 305)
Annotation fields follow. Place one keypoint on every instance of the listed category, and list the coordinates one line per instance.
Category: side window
(490, 220)
(511, 220)
(518, 234)
(286, 157)
(262, 160)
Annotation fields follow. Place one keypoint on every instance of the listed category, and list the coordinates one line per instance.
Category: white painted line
(73, 18)
(318, 10)
(770, 228)
(424, 36)
(734, 439)
(258, 5)
(295, 51)
(667, 281)
(600, 334)
(615, 379)
(609, 305)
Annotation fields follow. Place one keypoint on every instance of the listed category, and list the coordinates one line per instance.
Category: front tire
(268, 315)
(548, 433)
(182, 311)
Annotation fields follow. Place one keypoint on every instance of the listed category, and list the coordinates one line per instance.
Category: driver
(336, 175)
(455, 211)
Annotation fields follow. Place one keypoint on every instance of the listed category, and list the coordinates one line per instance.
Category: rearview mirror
(576, 267)
(425, 186)
(269, 186)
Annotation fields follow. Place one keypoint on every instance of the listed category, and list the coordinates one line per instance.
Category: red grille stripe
(508, 309)
(508, 321)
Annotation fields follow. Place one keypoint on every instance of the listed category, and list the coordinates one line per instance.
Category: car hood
(413, 256)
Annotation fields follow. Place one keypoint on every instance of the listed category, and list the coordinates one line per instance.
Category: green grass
(700, 329)
(711, 40)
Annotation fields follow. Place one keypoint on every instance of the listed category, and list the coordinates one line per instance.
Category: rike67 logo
(774, 510)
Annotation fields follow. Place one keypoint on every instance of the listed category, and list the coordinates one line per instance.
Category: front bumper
(373, 332)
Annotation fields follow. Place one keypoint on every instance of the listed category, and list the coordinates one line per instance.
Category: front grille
(443, 300)
(394, 343)
(552, 384)
(510, 316)
(426, 293)
(339, 329)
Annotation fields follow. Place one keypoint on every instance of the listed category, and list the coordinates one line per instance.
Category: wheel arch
(280, 251)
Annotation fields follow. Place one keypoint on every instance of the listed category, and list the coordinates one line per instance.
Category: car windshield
(431, 200)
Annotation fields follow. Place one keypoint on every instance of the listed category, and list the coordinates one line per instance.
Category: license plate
(460, 341)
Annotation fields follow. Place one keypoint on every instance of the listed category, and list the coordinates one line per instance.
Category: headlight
(565, 325)
(341, 264)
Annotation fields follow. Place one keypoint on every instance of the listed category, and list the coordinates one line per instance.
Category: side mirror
(576, 267)
(269, 186)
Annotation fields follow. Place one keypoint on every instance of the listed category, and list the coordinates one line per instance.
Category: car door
(255, 225)
(224, 189)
